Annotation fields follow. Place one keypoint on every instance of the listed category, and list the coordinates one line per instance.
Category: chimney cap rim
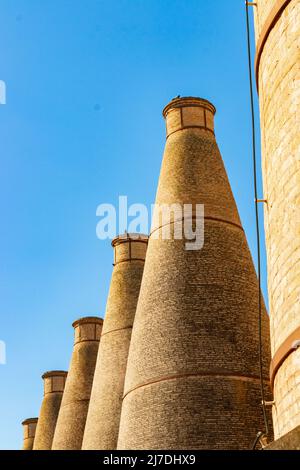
(127, 237)
(29, 421)
(83, 320)
(188, 101)
(54, 373)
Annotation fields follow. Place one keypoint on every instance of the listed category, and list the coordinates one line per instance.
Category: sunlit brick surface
(74, 406)
(192, 379)
(279, 92)
(54, 383)
(102, 426)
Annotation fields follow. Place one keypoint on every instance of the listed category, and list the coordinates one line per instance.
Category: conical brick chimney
(54, 383)
(103, 419)
(74, 406)
(29, 427)
(192, 379)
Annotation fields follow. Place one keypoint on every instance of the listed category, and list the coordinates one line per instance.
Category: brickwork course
(277, 26)
(29, 428)
(103, 419)
(54, 383)
(192, 379)
(75, 402)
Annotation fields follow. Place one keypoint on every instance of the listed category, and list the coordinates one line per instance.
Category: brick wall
(279, 96)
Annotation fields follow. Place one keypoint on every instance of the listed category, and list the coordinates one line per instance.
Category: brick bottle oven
(277, 67)
(74, 406)
(103, 419)
(54, 384)
(29, 428)
(192, 379)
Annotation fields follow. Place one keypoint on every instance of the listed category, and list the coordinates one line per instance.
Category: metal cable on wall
(247, 4)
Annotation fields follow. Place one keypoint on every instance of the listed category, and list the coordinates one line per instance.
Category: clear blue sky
(86, 83)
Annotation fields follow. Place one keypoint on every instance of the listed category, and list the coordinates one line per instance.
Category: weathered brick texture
(279, 95)
(192, 379)
(75, 402)
(54, 383)
(102, 426)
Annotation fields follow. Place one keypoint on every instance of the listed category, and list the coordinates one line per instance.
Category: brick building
(178, 362)
(75, 402)
(192, 379)
(102, 426)
(277, 65)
